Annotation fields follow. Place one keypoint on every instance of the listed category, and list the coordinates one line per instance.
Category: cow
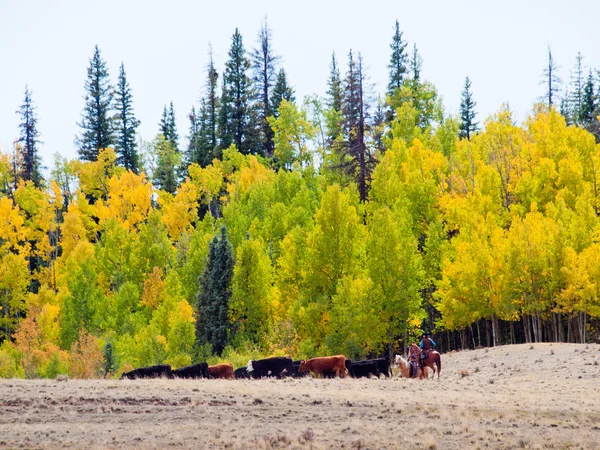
(277, 366)
(196, 371)
(384, 365)
(224, 370)
(241, 373)
(158, 371)
(331, 373)
(295, 372)
(324, 364)
(363, 369)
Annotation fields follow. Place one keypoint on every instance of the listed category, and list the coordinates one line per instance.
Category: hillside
(539, 396)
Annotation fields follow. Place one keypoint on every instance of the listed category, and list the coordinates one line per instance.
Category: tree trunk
(478, 333)
(525, 328)
(495, 330)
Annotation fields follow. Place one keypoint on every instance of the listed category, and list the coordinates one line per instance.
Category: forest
(344, 224)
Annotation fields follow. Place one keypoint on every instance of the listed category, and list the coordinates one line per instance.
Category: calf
(161, 370)
(277, 366)
(224, 370)
(331, 373)
(384, 365)
(196, 371)
(363, 369)
(241, 373)
(327, 363)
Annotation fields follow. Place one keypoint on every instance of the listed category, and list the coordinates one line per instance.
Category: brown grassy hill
(538, 396)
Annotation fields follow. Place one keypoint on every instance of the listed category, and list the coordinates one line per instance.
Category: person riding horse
(427, 345)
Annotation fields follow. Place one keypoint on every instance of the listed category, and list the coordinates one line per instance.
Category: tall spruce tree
(577, 88)
(398, 61)
(195, 136)
(165, 163)
(212, 321)
(125, 125)
(238, 118)
(551, 81)
(335, 94)
(29, 160)
(95, 123)
(416, 65)
(588, 104)
(468, 126)
(281, 91)
(263, 64)
(356, 159)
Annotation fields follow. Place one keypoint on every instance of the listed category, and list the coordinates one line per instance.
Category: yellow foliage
(154, 289)
(179, 212)
(86, 356)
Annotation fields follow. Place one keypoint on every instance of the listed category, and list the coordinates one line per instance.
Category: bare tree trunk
(478, 333)
(512, 332)
(526, 328)
(495, 330)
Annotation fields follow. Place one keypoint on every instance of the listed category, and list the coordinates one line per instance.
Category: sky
(501, 46)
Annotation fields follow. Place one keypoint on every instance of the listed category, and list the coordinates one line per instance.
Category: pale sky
(501, 46)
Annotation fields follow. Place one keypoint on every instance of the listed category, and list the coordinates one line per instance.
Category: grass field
(523, 396)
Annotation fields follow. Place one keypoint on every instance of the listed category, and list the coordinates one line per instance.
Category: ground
(522, 396)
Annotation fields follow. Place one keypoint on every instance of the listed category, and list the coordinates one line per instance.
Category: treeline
(328, 228)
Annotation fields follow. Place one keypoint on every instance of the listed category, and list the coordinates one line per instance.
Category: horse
(431, 360)
(404, 367)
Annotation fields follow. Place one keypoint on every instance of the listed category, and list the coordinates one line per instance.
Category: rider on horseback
(427, 344)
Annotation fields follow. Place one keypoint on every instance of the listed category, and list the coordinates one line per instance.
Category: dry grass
(516, 399)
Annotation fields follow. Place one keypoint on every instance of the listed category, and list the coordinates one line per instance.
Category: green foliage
(126, 125)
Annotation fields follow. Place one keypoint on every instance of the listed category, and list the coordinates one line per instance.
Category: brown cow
(221, 371)
(325, 364)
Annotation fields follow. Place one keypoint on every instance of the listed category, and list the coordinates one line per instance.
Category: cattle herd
(278, 366)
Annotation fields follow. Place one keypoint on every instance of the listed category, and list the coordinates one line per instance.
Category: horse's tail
(438, 363)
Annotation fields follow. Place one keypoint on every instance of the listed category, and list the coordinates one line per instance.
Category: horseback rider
(427, 345)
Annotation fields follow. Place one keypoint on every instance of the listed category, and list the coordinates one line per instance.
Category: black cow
(363, 369)
(196, 371)
(384, 366)
(158, 371)
(277, 366)
(295, 372)
(241, 373)
(331, 373)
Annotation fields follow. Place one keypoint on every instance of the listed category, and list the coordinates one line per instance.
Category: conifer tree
(263, 63)
(125, 125)
(29, 159)
(468, 126)
(416, 64)
(577, 87)
(193, 150)
(281, 91)
(238, 117)
(356, 160)
(379, 126)
(588, 104)
(398, 60)
(96, 133)
(166, 164)
(212, 321)
(335, 93)
(211, 105)
(551, 81)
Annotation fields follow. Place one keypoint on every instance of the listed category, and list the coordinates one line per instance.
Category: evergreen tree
(550, 80)
(356, 160)
(335, 93)
(29, 159)
(398, 61)
(168, 127)
(126, 124)
(263, 63)
(281, 91)
(237, 113)
(195, 137)
(588, 104)
(96, 123)
(416, 64)
(109, 365)
(577, 87)
(212, 321)
(166, 163)
(211, 105)
(468, 126)
(379, 126)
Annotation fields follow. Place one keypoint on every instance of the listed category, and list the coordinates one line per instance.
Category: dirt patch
(513, 397)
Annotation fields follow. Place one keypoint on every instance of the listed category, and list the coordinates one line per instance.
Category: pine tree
(194, 139)
(379, 126)
(398, 61)
(263, 63)
(335, 95)
(29, 159)
(416, 64)
(212, 321)
(96, 123)
(168, 127)
(550, 80)
(126, 125)
(281, 91)
(468, 126)
(588, 104)
(577, 86)
(356, 160)
(238, 116)
(211, 105)
(166, 164)
(109, 365)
